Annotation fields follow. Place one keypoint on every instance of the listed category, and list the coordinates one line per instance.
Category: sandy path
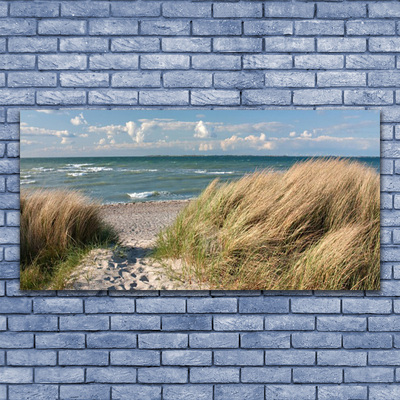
(127, 267)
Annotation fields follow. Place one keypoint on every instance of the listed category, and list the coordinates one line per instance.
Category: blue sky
(80, 133)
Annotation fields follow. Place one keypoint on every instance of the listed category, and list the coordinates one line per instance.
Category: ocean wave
(205, 172)
(145, 195)
(24, 182)
(76, 173)
(42, 169)
(77, 165)
(138, 171)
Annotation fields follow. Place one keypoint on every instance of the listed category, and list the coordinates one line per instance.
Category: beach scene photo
(200, 200)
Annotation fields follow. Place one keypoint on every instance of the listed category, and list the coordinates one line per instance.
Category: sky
(88, 133)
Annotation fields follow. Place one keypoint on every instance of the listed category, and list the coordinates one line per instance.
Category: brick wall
(199, 345)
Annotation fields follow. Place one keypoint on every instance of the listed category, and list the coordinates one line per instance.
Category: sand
(127, 266)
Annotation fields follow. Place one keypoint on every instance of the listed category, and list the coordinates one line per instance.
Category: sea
(156, 178)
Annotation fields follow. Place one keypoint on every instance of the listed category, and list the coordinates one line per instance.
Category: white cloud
(201, 131)
(251, 141)
(46, 111)
(36, 131)
(206, 146)
(306, 134)
(292, 134)
(66, 140)
(252, 128)
(79, 120)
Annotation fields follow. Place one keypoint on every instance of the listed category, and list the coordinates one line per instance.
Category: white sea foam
(24, 182)
(145, 195)
(205, 172)
(76, 173)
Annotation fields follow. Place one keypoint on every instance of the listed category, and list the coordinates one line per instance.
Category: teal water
(131, 179)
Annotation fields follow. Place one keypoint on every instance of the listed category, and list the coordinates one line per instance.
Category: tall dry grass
(55, 224)
(316, 226)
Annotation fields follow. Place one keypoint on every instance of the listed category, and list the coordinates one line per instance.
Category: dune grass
(58, 227)
(316, 226)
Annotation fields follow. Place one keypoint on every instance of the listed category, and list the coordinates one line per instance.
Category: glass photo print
(200, 199)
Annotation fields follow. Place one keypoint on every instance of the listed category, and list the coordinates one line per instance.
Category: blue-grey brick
(367, 341)
(239, 392)
(87, 45)
(109, 96)
(11, 132)
(386, 272)
(382, 392)
(370, 61)
(342, 78)
(83, 357)
(3, 9)
(111, 340)
(139, 44)
(179, 392)
(93, 392)
(341, 11)
(135, 322)
(391, 183)
(316, 27)
(16, 306)
(318, 340)
(237, 10)
(289, 357)
(61, 61)
(386, 323)
(215, 62)
(59, 375)
(396, 236)
(368, 97)
(289, 392)
(187, 323)
(136, 392)
(260, 340)
(342, 358)
(164, 61)
(237, 45)
(384, 10)
(214, 375)
(85, 9)
(369, 375)
(34, 9)
(341, 323)
(288, 44)
(319, 61)
(367, 306)
(238, 357)
(345, 392)
(184, 9)
(266, 375)
(2, 84)
(111, 375)
(289, 79)
(83, 79)
(187, 79)
(57, 306)
(135, 357)
(341, 45)
(61, 27)
(33, 392)
(268, 27)
(263, 305)
(163, 340)
(17, 61)
(239, 323)
(19, 26)
(60, 340)
(62, 97)
(109, 305)
(212, 305)
(270, 96)
(313, 97)
(31, 357)
(84, 322)
(215, 97)
(8, 201)
(317, 375)
(3, 325)
(214, 340)
(32, 323)
(239, 80)
(162, 375)
(387, 44)
(194, 45)
(288, 10)
(383, 78)
(326, 306)
(137, 9)
(12, 151)
(386, 134)
(384, 357)
(164, 98)
(186, 357)
(16, 340)
(16, 375)
(113, 61)
(365, 27)
(10, 270)
(113, 27)
(289, 323)
(217, 27)
(165, 28)
(32, 45)
(32, 79)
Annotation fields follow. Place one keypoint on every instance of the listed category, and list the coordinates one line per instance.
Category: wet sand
(128, 266)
